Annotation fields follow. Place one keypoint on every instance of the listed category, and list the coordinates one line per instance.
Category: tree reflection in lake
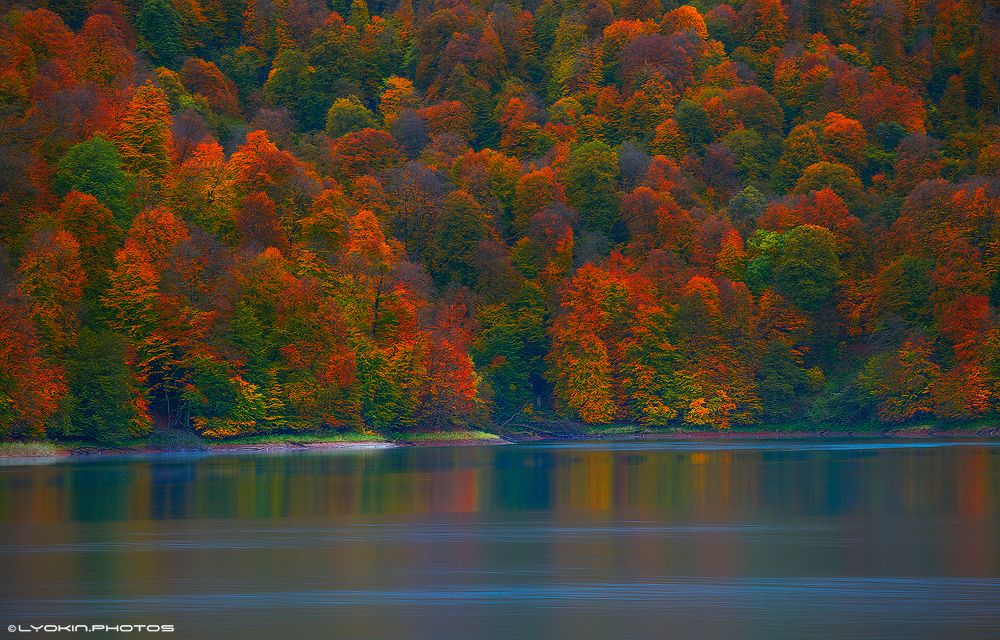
(586, 539)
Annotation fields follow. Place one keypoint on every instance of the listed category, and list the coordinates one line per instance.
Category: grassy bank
(446, 437)
(174, 440)
(298, 438)
(31, 449)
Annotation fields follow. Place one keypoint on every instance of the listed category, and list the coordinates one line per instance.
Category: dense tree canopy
(245, 217)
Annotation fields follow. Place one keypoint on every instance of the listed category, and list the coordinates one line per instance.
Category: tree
(73, 12)
(610, 355)
(368, 259)
(519, 136)
(779, 380)
(756, 109)
(892, 103)
(492, 179)
(97, 232)
(580, 367)
(257, 221)
(414, 196)
(31, 389)
(744, 208)
(95, 167)
(397, 94)
(110, 406)
(51, 275)
(223, 404)
(844, 140)
(510, 350)
(159, 25)
(334, 52)
(762, 24)
(448, 116)
(292, 83)
(591, 176)
(802, 148)
(44, 34)
(205, 79)
(246, 66)
(187, 131)
(641, 9)
(731, 261)
(583, 381)
(683, 18)
(384, 44)
(711, 365)
(365, 152)
(460, 230)
(694, 123)
(754, 157)
(837, 177)
(901, 290)
(203, 188)
(953, 110)
(103, 55)
(192, 24)
(64, 113)
(410, 132)
(448, 392)
(900, 383)
(670, 140)
(143, 135)
(382, 381)
(671, 57)
(917, 159)
(348, 115)
(809, 269)
(259, 165)
(133, 298)
(535, 191)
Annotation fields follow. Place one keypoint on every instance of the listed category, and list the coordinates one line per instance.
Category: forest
(239, 217)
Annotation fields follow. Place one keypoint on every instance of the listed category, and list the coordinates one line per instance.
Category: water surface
(634, 539)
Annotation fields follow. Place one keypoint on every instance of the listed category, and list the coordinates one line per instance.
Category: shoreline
(231, 447)
(899, 434)
(612, 433)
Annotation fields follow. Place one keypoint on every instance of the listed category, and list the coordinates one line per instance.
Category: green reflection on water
(643, 479)
(580, 540)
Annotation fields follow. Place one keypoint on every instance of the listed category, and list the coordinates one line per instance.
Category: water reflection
(580, 540)
(705, 478)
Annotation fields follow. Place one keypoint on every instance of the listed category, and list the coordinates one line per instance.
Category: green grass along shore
(174, 440)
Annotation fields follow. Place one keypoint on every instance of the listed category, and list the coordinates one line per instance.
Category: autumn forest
(248, 216)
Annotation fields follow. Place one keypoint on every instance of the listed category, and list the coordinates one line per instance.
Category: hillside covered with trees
(241, 217)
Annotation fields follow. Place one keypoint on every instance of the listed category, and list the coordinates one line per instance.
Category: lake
(759, 539)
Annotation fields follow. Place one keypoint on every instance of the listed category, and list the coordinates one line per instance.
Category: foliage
(348, 115)
(591, 175)
(95, 167)
(159, 25)
(109, 404)
(809, 268)
(426, 217)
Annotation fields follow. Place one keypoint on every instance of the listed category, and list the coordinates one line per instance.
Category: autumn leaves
(282, 217)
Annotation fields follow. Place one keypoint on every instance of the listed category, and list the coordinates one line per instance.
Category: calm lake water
(642, 539)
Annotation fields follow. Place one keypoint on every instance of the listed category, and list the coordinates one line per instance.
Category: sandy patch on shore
(303, 446)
